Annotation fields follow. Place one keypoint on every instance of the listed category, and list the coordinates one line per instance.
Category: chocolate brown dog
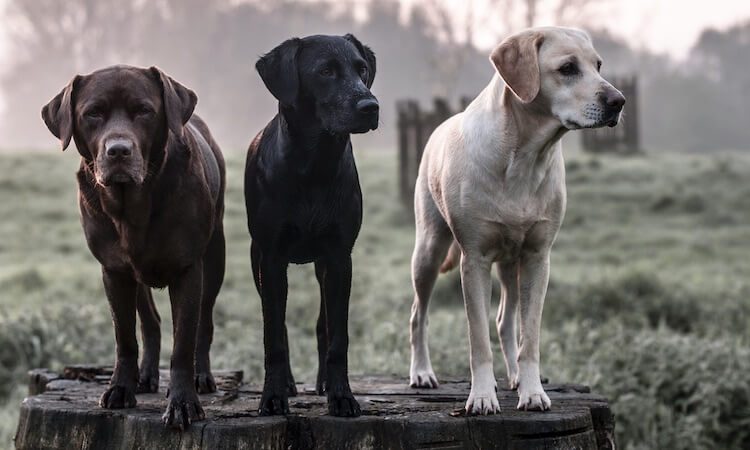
(304, 203)
(151, 195)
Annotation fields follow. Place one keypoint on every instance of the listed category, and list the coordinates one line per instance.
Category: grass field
(649, 299)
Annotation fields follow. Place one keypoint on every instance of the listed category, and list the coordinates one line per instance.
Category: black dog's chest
(317, 224)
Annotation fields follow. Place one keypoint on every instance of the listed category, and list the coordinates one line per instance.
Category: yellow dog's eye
(568, 69)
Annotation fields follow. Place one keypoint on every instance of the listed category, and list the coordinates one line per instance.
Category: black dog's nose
(119, 150)
(368, 106)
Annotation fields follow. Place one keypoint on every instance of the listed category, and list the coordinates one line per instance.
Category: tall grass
(648, 301)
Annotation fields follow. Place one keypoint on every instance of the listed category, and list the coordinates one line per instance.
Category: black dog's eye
(568, 69)
(363, 72)
(327, 72)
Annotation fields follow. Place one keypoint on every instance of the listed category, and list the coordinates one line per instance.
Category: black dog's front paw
(291, 388)
(148, 381)
(341, 402)
(205, 383)
(275, 398)
(182, 410)
(320, 383)
(118, 397)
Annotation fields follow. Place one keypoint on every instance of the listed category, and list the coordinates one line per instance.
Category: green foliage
(668, 390)
(649, 301)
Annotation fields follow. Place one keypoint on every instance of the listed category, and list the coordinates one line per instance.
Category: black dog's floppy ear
(58, 113)
(179, 101)
(367, 54)
(278, 70)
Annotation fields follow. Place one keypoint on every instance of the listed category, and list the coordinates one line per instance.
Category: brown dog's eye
(143, 111)
(93, 114)
(568, 69)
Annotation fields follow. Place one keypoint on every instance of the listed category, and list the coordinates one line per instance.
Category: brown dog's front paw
(205, 383)
(148, 382)
(181, 413)
(341, 403)
(118, 397)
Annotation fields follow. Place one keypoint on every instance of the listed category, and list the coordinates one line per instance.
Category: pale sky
(671, 26)
(665, 26)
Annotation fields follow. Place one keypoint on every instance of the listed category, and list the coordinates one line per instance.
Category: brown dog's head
(119, 118)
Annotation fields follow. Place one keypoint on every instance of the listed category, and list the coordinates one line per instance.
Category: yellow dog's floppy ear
(58, 113)
(517, 61)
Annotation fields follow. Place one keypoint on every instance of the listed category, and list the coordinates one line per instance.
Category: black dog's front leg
(121, 293)
(185, 294)
(337, 285)
(271, 280)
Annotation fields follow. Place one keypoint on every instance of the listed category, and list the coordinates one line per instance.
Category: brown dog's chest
(149, 239)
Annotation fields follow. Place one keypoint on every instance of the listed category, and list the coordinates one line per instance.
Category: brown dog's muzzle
(120, 162)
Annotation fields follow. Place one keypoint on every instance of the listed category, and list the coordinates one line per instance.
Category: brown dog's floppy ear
(278, 70)
(367, 54)
(58, 113)
(179, 101)
(517, 61)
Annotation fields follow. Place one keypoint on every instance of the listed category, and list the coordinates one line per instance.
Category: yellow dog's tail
(452, 259)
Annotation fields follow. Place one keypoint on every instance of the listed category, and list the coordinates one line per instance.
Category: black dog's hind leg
(321, 331)
(213, 277)
(121, 293)
(271, 280)
(337, 285)
(291, 385)
(148, 374)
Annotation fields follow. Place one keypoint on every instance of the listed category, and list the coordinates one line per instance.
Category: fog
(697, 103)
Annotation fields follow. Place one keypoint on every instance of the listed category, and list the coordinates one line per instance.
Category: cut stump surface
(62, 411)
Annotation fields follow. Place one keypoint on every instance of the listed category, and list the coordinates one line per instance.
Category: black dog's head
(119, 117)
(328, 75)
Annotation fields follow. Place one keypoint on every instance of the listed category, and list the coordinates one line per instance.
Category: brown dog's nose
(119, 148)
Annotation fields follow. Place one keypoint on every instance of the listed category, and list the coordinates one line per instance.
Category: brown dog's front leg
(337, 283)
(121, 293)
(183, 406)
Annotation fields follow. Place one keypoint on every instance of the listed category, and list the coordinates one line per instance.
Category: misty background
(698, 102)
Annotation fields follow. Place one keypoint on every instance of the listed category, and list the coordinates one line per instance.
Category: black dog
(304, 203)
(151, 195)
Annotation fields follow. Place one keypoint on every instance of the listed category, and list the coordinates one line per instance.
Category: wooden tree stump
(62, 412)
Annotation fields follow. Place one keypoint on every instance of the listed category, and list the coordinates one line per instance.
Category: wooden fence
(414, 128)
(623, 138)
